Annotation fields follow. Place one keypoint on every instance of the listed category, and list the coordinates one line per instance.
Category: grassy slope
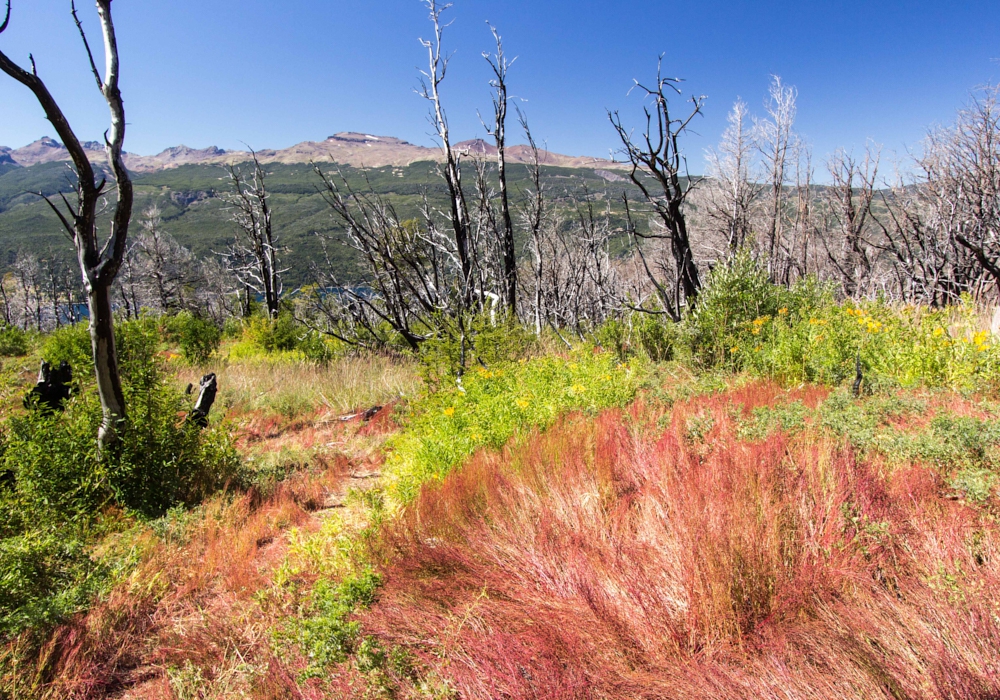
(715, 538)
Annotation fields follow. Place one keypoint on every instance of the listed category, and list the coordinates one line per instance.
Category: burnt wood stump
(53, 388)
(209, 387)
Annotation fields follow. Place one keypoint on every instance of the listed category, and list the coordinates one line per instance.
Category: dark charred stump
(206, 397)
(858, 376)
(53, 388)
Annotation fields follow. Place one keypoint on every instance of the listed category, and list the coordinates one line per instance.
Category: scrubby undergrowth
(638, 518)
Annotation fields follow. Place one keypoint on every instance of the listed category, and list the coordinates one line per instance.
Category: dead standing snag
(99, 263)
(657, 165)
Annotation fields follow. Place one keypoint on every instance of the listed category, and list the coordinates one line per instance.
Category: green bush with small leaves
(329, 634)
(197, 338)
(55, 487)
(14, 342)
(490, 406)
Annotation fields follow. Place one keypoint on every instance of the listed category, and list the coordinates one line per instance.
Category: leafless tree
(28, 290)
(735, 187)
(167, 263)
(499, 64)
(963, 168)
(254, 254)
(660, 170)
(776, 139)
(533, 217)
(157, 270)
(850, 196)
(804, 225)
(98, 263)
(430, 90)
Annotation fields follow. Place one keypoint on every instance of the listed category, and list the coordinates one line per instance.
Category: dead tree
(98, 262)
(28, 290)
(533, 217)
(850, 196)
(776, 141)
(254, 254)
(659, 170)
(430, 90)
(499, 65)
(735, 187)
(963, 164)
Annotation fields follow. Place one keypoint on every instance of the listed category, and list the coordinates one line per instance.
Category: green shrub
(44, 576)
(273, 335)
(329, 635)
(197, 338)
(13, 341)
(58, 487)
(656, 335)
(612, 335)
(735, 302)
(487, 344)
(159, 461)
(70, 344)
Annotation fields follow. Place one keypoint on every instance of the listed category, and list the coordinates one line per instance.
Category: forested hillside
(194, 213)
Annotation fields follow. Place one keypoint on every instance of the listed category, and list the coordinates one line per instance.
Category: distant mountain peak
(356, 137)
(347, 147)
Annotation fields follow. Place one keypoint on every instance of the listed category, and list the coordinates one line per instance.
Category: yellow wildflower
(938, 332)
(733, 350)
(523, 403)
(450, 411)
(783, 310)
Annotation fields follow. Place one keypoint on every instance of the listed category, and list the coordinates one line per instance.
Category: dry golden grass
(297, 388)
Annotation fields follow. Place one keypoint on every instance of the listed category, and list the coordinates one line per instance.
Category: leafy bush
(656, 335)
(329, 635)
(486, 344)
(897, 346)
(58, 487)
(13, 341)
(281, 338)
(730, 307)
(273, 335)
(198, 339)
(612, 335)
(44, 576)
(70, 344)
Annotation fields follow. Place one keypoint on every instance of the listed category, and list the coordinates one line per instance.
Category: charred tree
(659, 170)
(99, 263)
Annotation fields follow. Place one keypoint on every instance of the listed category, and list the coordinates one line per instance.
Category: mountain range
(347, 148)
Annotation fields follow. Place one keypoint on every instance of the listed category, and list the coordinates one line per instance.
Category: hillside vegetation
(193, 211)
(702, 509)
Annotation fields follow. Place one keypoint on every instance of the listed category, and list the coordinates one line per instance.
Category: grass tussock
(665, 552)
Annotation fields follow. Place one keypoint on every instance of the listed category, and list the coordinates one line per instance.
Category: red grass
(604, 559)
(190, 602)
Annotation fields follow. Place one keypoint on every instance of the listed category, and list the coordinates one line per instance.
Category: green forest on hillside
(194, 213)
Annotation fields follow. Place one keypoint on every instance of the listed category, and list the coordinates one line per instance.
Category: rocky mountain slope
(348, 148)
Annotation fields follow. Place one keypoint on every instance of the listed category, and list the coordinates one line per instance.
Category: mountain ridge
(349, 148)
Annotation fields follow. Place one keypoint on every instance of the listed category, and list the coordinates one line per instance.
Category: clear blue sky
(271, 74)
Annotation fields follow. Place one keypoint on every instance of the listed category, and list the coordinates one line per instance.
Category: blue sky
(271, 74)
